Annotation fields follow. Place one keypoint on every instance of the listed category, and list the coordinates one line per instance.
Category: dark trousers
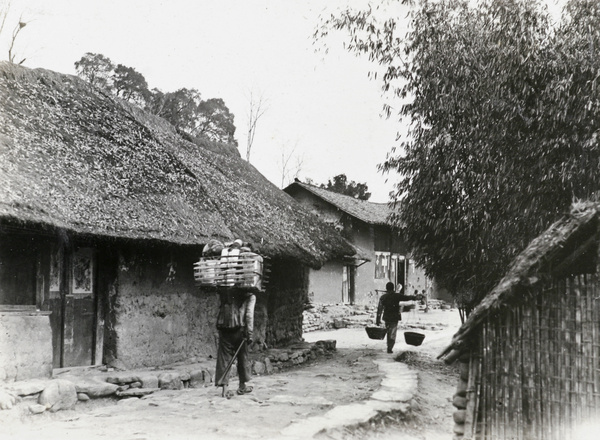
(229, 341)
(392, 329)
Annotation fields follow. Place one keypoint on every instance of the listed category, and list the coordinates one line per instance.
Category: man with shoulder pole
(389, 306)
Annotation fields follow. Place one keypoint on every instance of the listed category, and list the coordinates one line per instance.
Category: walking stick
(231, 362)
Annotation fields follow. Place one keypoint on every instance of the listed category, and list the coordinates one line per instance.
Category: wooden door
(79, 312)
(348, 283)
(54, 302)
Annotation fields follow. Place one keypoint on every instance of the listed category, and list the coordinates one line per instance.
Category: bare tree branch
(20, 25)
(4, 15)
(257, 109)
(290, 169)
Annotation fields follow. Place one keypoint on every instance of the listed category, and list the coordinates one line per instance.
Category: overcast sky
(321, 104)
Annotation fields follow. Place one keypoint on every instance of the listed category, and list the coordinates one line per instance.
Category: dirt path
(278, 400)
(432, 409)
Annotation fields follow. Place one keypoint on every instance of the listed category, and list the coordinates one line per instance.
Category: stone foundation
(137, 384)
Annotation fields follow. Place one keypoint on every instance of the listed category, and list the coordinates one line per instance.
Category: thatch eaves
(368, 212)
(549, 254)
(76, 158)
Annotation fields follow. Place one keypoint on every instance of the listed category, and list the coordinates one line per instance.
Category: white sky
(323, 105)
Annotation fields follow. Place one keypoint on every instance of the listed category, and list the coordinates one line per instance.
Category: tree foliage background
(341, 185)
(504, 113)
(184, 108)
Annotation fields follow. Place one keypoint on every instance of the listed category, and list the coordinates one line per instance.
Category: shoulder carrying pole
(220, 382)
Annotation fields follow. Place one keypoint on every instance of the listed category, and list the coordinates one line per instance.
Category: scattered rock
(149, 381)
(122, 379)
(459, 402)
(461, 389)
(27, 388)
(58, 394)
(95, 387)
(83, 397)
(328, 344)
(137, 392)
(37, 408)
(338, 323)
(268, 366)
(136, 385)
(7, 399)
(170, 381)
(459, 429)
(208, 378)
(196, 379)
(459, 416)
(258, 368)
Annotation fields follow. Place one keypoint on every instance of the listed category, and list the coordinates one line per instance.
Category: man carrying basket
(389, 306)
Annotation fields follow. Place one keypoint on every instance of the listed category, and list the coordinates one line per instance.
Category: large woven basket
(376, 332)
(414, 338)
(245, 270)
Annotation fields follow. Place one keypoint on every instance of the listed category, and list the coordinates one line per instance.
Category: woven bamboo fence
(536, 374)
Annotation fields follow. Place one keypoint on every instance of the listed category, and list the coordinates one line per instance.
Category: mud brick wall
(287, 294)
(160, 316)
(25, 346)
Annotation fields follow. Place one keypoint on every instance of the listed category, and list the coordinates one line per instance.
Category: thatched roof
(76, 158)
(551, 253)
(368, 212)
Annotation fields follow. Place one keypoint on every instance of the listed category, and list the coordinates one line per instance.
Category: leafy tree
(96, 69)
(184, 108)
(215, 121)
(180, 108)
(504, 114)
(341, 185)
(130, 85)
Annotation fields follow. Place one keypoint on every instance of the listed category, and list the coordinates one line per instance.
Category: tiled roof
(368, 212)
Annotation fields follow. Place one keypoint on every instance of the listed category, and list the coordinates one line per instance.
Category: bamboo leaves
(504, 115)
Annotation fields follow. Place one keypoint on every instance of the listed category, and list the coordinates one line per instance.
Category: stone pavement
(397, 389)
(303, 396)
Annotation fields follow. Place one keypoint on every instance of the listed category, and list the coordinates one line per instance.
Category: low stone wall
(460, 398)
(25, 346)
(335, 316)
(67, 388)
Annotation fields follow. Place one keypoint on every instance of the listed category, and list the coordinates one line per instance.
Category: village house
(382, 255)
(529, 352)
(103, 211)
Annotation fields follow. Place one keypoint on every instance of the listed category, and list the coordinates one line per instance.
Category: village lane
(297, 403)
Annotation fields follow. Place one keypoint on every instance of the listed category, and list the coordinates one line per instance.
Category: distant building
(382, 255)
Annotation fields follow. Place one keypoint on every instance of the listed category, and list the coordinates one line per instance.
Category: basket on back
(232, 268)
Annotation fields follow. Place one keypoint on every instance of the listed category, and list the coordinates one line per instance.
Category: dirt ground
(277, 401)
(432, 409)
